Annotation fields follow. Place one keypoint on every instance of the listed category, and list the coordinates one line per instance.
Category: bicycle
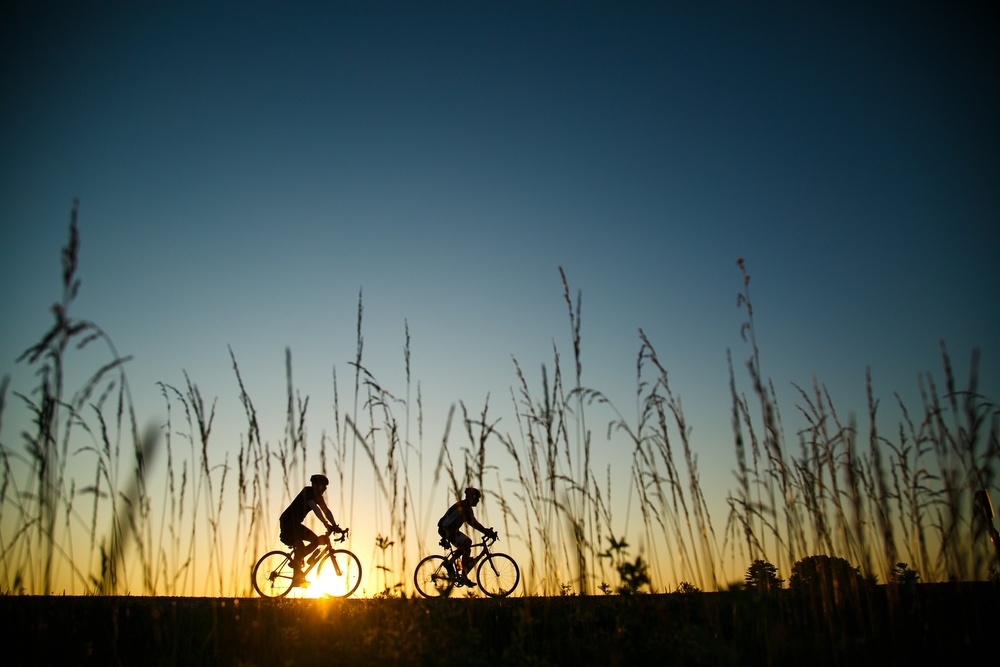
(497, 574)
(272, 575)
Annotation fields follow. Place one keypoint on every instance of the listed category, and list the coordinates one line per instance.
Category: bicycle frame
(313, 562)
(454, 554)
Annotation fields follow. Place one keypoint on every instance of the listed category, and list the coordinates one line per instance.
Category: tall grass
(841, 490)
(866, 498)
(45, 502)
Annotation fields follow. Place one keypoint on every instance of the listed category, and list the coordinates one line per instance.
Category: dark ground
(877, 626)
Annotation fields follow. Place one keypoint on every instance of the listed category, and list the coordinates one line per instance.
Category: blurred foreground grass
(882, 625)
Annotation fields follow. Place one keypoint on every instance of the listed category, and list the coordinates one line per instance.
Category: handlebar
(343, 534)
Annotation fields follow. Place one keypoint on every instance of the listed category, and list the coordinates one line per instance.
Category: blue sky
(245, 169)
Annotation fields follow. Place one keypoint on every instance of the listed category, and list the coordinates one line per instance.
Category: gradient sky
(245, 169)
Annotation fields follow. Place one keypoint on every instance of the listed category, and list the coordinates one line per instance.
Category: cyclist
(297, 536)
(448, 528)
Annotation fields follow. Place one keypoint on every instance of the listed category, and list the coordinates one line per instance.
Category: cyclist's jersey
(299, 508)
(458, 514)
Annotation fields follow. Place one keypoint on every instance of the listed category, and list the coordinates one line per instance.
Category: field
(881, 626)
(884, 538)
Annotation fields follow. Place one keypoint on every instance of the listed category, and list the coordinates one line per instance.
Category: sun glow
(333, 577)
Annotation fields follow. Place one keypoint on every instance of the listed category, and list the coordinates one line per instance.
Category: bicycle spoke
(498, 575)
(434, 577)
(272, 575)
(339, 573)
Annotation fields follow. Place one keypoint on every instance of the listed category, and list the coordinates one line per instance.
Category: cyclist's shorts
(293, 534)
(457, 538)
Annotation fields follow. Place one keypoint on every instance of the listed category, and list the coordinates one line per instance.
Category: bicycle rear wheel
(339, 573)
(498, 575)
(434, 577)
(272, 575)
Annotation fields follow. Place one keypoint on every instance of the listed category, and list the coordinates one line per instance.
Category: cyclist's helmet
(473, 492)
(320, 479)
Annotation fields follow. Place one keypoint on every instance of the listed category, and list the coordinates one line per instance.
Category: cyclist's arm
(472, 521)
(321, 510)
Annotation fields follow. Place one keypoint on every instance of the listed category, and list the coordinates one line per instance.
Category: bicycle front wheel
(272, 575)
(339, 573)
(498, 575)
(434, 577)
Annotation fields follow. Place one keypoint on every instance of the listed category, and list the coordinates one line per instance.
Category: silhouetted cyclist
(297, 536)
(448, 527)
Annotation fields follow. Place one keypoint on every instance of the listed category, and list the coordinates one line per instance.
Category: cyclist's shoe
(465, 581)
(299, 579)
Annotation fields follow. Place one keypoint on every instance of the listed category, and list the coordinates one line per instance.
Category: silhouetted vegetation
(762, 577)
(731, 628)
(823, 572)
(903, 575)
(846, 497)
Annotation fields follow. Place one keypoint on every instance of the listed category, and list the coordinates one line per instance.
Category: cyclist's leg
(294, 535)
(289, 537)
(308, 541)
(463, 543)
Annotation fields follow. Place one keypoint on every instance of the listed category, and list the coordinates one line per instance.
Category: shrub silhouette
(686, 588)
(633, 575)
(903, 575)
(762, 577)
(823, 574)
